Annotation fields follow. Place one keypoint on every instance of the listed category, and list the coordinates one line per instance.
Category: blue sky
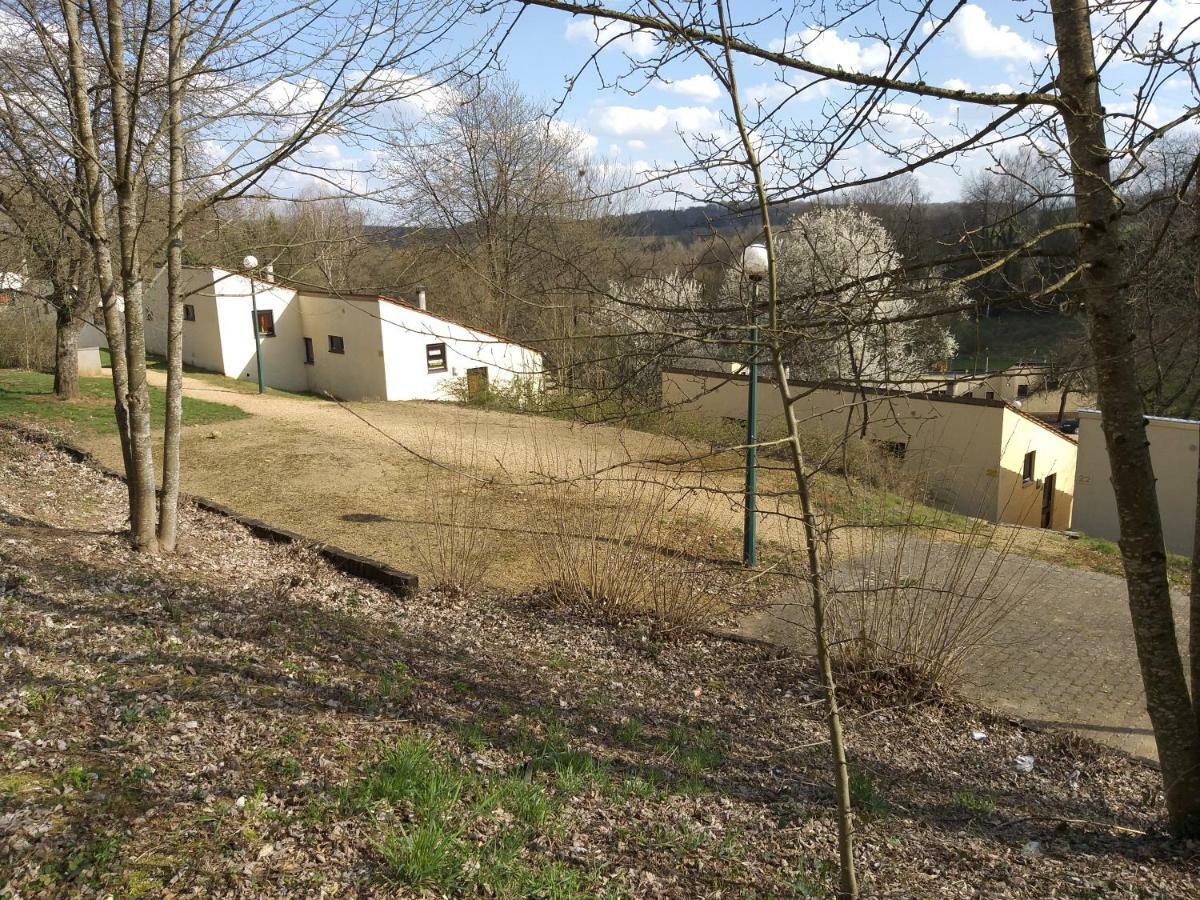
(656, 124)
(987, 46)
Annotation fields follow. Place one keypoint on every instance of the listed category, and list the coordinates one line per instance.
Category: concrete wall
(89, 362)
(357, 374)
(384, 342)
(1174, 449)
(967, 454)
(1021, 500)
(201, 338)
(282, 355)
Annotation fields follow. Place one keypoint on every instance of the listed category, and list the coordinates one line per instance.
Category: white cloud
(631, 121)
(956, 84)
(636, 144)
(699, 87)
(983, 39)
(582, 140)
(610, 33)
(827, 48)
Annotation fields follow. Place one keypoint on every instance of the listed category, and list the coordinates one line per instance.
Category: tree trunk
(847, 875)
(1103, 286)
(1194, 605)
(67, 326)
(168, 508)
(142, 481)
(87, 162)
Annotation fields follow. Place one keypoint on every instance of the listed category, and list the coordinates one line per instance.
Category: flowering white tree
(650, 322)
(844, 305)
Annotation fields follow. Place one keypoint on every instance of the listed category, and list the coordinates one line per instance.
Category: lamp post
(250, 263)
(754, 266)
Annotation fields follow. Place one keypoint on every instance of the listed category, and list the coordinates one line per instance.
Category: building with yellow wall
(976, 456)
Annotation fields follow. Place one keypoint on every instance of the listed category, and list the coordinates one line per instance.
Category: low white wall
(89, 362)
(1174, 449)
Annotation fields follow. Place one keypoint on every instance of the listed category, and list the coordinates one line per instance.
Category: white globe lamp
(755, 262)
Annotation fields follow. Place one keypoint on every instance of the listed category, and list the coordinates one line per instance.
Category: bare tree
(1063, 114)
(506, 193)
(246, 88)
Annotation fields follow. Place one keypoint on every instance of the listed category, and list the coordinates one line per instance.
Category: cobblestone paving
(1065, 659)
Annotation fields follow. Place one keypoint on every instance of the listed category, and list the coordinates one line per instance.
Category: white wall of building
(356, 374)
(384, 342)
(406, 334)
(1174, 448)
(282, 355)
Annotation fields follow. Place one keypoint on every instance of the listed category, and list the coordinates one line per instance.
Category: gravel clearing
(235, 721)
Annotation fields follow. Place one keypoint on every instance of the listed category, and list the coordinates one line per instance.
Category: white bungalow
(352, 346)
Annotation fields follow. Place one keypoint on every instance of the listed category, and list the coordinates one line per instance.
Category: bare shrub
(26, 336)
(459, 551)
(621, 556)
(911, 601)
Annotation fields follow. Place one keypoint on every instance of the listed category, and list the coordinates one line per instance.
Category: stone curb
(403, 583)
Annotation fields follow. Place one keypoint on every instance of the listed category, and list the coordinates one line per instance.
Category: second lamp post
(755, 263)
(250, 263)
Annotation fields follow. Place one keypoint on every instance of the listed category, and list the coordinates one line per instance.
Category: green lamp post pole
(754, 266)
(251, 263)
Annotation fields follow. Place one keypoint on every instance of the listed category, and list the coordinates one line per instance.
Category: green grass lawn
(30, 396)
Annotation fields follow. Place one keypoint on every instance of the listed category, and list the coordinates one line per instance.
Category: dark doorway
(1048, 501)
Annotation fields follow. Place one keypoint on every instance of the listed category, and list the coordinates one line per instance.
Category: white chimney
(421, 296)
(269, 273)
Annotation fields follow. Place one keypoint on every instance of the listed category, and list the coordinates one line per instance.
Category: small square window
(189, 313)
(266, 323)
(1027, 468)
(1022, 390)
(309, 358)
(991, 395)
(895, 449)
(435, 357)
(336, 344)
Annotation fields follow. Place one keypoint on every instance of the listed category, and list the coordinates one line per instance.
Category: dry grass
(460, 547)
(630, 545)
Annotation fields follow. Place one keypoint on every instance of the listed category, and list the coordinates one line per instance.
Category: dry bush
(459, 551)
(26, 336)
(619, 549)
(910, 602)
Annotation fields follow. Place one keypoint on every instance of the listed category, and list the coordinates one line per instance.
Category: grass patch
(446, 805)
(865, 795)
(428, 855)
(411, 774)
(1101, 555)
(693, 750)
(974, 802)
(30, 396)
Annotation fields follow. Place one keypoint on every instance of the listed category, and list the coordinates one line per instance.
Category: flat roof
(881, 392)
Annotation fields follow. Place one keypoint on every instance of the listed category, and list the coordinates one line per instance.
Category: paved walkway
(1064, 659)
